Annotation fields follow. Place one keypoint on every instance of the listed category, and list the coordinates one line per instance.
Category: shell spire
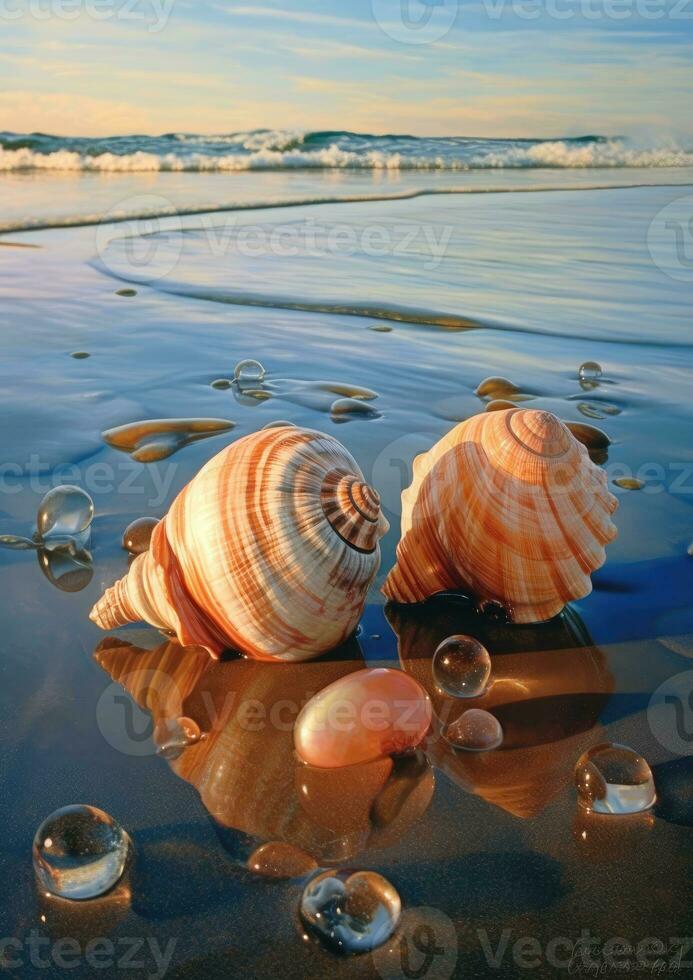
(509, 508)
(269, 550)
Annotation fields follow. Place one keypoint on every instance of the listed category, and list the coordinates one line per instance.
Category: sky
(542, 68)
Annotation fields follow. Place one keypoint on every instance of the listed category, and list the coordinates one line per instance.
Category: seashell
(508, 508)
(362, 717)
(269, 550)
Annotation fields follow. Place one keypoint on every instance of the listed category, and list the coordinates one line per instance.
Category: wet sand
(498, 844)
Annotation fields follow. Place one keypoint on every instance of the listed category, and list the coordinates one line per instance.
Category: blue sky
(438, 67)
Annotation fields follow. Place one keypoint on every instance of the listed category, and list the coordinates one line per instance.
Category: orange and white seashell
(269, 550)
(508, 508)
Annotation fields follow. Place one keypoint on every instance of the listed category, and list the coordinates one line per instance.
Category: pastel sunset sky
(439, 67)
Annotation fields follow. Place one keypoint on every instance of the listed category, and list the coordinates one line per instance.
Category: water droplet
(222, 383)
(80, 355)
(497, 388)
(138, 534)
(612, 778)
(281, 861)
(126, 292)
(350, 911)
(590, 371)
(80, 852)
(65, 511)
(475, 731)
(249, 372)
(155, 439)
(629, 483)
(461, 667)
(173, 736)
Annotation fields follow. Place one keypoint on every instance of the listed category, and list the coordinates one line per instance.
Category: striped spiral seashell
(508, 508)
(269, 550)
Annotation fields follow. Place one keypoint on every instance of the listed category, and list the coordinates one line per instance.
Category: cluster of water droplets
(62, 537)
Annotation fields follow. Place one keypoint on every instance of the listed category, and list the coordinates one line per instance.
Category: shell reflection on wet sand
(245, 768)
(548, 687)
(156, 439)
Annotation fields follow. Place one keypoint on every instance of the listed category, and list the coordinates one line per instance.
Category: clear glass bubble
(475, 731)
(138, 534)
(80, 852)
(590, 371)
(461, 667)
(350, 911)
(65, 511)
(249, 372)
(173, 736)
(612, 778)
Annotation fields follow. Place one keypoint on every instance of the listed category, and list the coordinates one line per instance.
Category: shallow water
(537, 284)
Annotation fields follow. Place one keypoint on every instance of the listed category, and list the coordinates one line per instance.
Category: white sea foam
(272, 151)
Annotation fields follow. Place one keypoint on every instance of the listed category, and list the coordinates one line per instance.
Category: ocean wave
(287, 150)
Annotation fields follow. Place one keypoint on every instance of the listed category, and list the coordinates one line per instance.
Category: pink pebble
(362, 717)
